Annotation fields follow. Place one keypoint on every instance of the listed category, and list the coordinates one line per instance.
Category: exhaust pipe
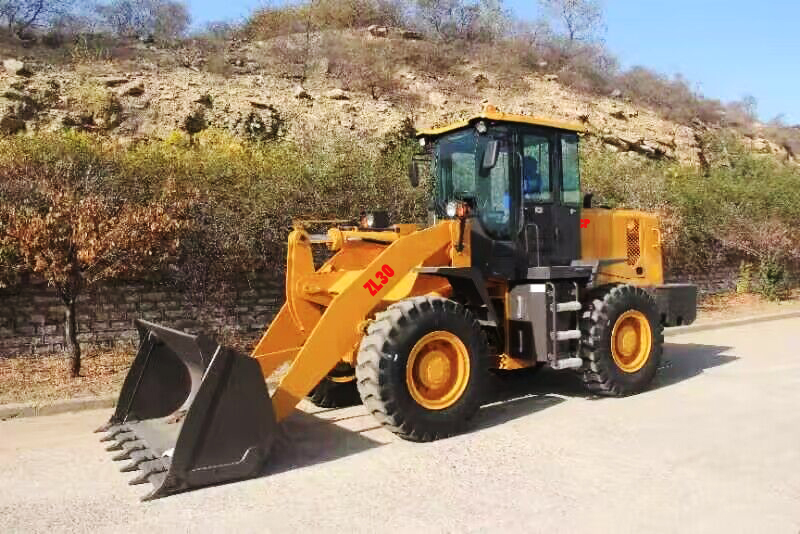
(191, 413)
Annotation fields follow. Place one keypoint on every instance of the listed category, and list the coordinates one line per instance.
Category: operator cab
(520, 178)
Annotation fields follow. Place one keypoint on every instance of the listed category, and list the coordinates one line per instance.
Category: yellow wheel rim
(631, 341)
(437, 371)
(341, 379)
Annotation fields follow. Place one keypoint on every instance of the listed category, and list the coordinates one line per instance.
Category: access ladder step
(572, 306)
(566, 335)
(567, 363)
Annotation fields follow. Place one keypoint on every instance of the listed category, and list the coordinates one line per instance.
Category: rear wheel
(423, 368)
(338, 389)
(622, 341)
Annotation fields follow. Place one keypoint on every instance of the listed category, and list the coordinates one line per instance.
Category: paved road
(715, 447)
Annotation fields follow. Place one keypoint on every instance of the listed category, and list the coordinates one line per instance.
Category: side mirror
(413, 173)
(490, 155)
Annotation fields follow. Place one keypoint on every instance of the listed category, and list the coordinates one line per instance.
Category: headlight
(451, 209)
(370, 218)
(481, 127)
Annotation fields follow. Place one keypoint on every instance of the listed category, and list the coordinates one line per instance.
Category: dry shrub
(673, 98)
(270, 22)
(365, 66)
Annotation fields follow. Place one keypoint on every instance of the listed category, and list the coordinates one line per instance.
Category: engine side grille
(634, 249)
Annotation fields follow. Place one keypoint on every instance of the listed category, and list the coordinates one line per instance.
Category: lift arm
(315, 337)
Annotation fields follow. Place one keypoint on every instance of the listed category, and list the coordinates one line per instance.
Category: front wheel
(337, 389)
(423, 368)
(622, 342)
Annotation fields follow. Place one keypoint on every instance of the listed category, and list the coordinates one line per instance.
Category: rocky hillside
(154, 92)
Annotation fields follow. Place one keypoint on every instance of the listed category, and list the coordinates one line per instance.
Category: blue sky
(726, 48)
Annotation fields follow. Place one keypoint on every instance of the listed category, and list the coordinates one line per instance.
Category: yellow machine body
(193, 413)
(628, 242)
(327, 309)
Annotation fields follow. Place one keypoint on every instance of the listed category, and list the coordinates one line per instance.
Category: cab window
(570, 165)
(536, 182)
(458, 161)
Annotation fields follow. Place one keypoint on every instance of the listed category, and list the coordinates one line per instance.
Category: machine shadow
(682, 361)
(529, 390)
(306, 440)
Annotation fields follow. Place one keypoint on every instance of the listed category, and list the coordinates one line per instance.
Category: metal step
(567, 363)
(566, 335)
(571, 306)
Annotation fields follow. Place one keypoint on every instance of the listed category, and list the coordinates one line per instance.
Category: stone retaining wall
(32, 317)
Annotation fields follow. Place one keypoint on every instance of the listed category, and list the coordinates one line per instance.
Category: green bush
(773, 279)
(744, 282)
(249, 191)
(742, 205)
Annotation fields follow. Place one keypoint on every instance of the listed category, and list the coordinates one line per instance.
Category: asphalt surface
(713, 447)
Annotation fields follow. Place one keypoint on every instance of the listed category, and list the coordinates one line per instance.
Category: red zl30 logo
(584, 223)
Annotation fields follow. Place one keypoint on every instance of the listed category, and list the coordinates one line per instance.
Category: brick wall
(32, 317)
(714, 281)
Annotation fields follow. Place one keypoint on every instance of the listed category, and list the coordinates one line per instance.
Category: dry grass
(46, 378)
(732, 305)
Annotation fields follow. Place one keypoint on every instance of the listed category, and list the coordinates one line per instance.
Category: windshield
(458, 158)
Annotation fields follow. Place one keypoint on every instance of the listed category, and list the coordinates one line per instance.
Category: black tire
(600, 372)
(384, 353)
(331, 392)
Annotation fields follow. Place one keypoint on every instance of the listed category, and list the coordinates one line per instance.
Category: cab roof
(491, 113)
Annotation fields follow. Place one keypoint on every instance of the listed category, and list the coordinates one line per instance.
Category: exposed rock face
(337, 94)
(155, 101)
(378, 31)
(301, 94)
(112, 81)
(135, 88)
(16, 68)
(645, 147)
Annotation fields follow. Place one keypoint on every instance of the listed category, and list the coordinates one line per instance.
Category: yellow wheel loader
(513, 270)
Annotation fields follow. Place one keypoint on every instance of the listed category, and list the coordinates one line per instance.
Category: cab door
(535, 162)
(551, 198)
(567, 207)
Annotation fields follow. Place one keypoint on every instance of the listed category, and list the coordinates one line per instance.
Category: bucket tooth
(103, 428)
(113, 432)
(149, 468)
(137, 458)
(157, 480)
(120, 440)
(129, 447)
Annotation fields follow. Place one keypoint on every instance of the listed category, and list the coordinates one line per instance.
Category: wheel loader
(514, 269)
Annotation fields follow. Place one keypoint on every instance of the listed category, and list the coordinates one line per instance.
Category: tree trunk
(71, 335)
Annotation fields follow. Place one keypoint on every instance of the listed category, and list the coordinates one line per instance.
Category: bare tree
(462, 19)
(583, 20)
(20, 16)
(161, 19)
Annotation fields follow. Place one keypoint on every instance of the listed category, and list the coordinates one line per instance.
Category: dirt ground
(732, 305)
(46, 378)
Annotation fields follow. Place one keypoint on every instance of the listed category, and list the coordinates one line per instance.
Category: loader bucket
(191, 413)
